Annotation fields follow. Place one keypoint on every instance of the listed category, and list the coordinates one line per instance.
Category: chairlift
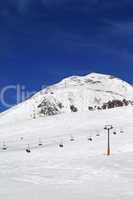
(4, 147)
(90, 138)
(121, 131)
(97, 134)
(28, 149)
(72, 139)
(61, 145)
(114, 133)
(40, 143)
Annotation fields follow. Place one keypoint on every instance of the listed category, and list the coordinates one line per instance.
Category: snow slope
(80, 91)
(79, 171)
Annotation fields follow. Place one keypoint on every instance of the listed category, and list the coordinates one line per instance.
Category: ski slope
(78, 171)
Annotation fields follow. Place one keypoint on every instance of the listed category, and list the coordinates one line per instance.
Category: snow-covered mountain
(80, 169)
(73, 94)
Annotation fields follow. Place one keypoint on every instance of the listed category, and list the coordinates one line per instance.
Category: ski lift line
(46, 143)
(35, 147)
(66, 134)
(64, 137)
(15, 148)
(47, 139)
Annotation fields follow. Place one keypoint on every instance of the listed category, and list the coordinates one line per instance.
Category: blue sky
(43, 41)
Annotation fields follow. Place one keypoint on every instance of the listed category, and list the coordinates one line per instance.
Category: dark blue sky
(43, 41)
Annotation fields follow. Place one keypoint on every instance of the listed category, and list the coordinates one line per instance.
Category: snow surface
(81, 91)
(79, 171)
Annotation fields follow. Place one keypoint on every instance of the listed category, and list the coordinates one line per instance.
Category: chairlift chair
(90, 138)
(97, 134)
(61, 145)
(28, 149)
(121, 131)
(40, 143)
(4, 147)
(72, 139)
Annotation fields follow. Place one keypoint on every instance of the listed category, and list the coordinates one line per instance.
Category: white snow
(80, 91)
(80, 170)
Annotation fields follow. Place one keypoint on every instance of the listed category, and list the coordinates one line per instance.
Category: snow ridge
(76, 93)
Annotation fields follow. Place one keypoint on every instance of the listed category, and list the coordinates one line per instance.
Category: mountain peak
(92, 75)
(94, 91)
(99, 75)
(85, 80)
